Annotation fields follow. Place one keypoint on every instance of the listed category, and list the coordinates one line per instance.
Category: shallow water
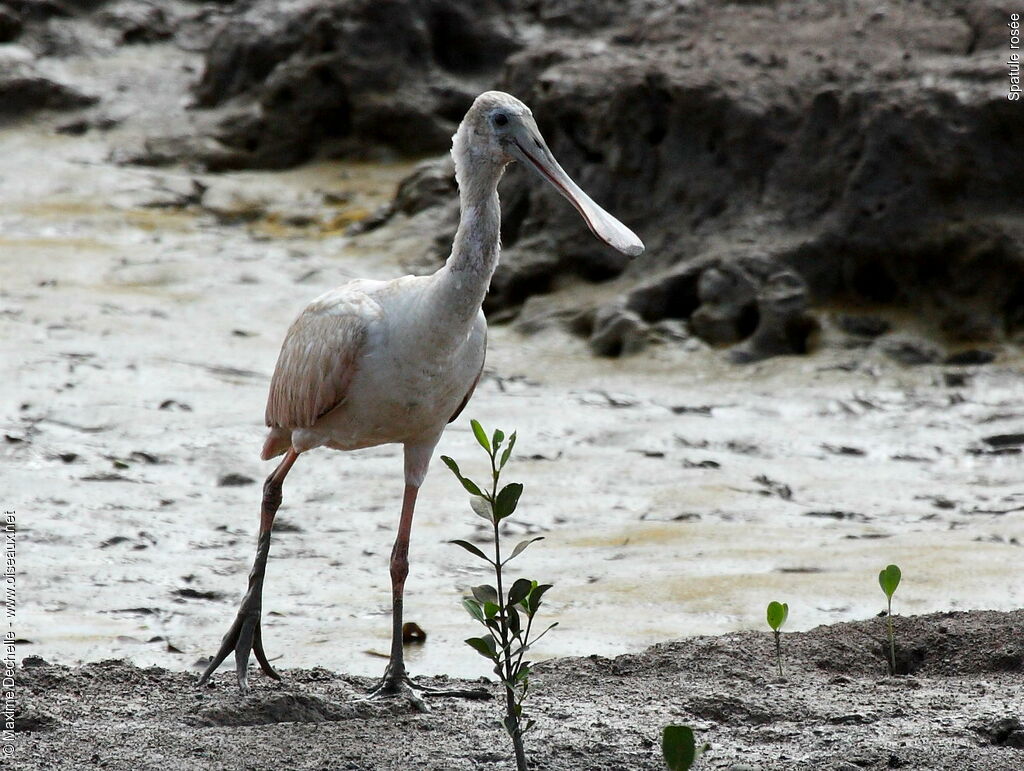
(677, 494)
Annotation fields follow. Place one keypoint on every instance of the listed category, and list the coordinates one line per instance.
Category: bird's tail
(277, 443)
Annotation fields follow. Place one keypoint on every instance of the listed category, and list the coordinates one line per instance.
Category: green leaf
(484, 646)
(471, 487)
(527, 646)
(514, 624)
(469, 484)
(497, 439)
(481, 435)
(889, 579)
(777, 614)
(451, 464)
(550, 627)
(520, 547)
(507, 500)
(481, 507)
(485, 593)
(522, 673)
(520, 591)
(533, 601)
(473, 608)
(508, 451)
(473, 550)
(679, 748)
(491, 609)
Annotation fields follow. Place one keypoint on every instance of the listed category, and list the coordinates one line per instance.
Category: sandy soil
(141, 316)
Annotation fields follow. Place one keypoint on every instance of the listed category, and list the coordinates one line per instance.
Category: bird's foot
(401, 685)
(398, 685)
(244, 636)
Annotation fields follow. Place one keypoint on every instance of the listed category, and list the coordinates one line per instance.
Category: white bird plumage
(369, 363)
(378, 362)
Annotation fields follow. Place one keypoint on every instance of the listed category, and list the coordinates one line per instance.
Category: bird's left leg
(245, 634)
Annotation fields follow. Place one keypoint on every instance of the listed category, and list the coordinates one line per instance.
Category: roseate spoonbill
(376, 362)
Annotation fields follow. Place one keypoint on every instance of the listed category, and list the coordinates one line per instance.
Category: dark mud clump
(958, 705)
(24, 90)
(356, 75)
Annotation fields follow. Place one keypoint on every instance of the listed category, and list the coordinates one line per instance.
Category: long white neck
(463, 281)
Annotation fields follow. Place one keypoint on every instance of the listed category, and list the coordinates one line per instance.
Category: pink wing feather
(319, 357)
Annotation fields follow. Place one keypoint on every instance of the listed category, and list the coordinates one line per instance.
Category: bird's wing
(472, 388)
(320, 356)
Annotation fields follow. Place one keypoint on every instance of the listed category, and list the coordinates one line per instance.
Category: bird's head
(499, 129)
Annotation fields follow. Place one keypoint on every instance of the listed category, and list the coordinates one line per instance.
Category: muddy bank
(773, 156)
(958, 707)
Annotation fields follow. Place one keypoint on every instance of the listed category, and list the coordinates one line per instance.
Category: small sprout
(889, 579)
(507, 617)
(679, 747)
(777, 614)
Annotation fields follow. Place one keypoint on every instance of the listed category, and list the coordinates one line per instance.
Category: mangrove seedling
(777, 614)
(889, 579)
(506, 618)
(679, 747)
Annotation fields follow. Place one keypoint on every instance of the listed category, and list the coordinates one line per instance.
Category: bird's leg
(245, 634)
(396, 679)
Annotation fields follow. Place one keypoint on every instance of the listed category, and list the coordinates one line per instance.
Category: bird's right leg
(396, 680)
(245, 634)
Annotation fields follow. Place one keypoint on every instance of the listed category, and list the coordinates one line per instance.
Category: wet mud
(956, 705)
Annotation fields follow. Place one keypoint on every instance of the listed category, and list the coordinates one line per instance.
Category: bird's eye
(501, 119)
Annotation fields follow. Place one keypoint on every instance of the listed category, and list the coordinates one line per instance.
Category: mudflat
(958, 705)
(141, 311)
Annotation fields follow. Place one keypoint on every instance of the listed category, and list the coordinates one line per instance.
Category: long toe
(226, 646)
(456, 693)
(243, 647)
(261, 656)
(398, 686)
(244, 637)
